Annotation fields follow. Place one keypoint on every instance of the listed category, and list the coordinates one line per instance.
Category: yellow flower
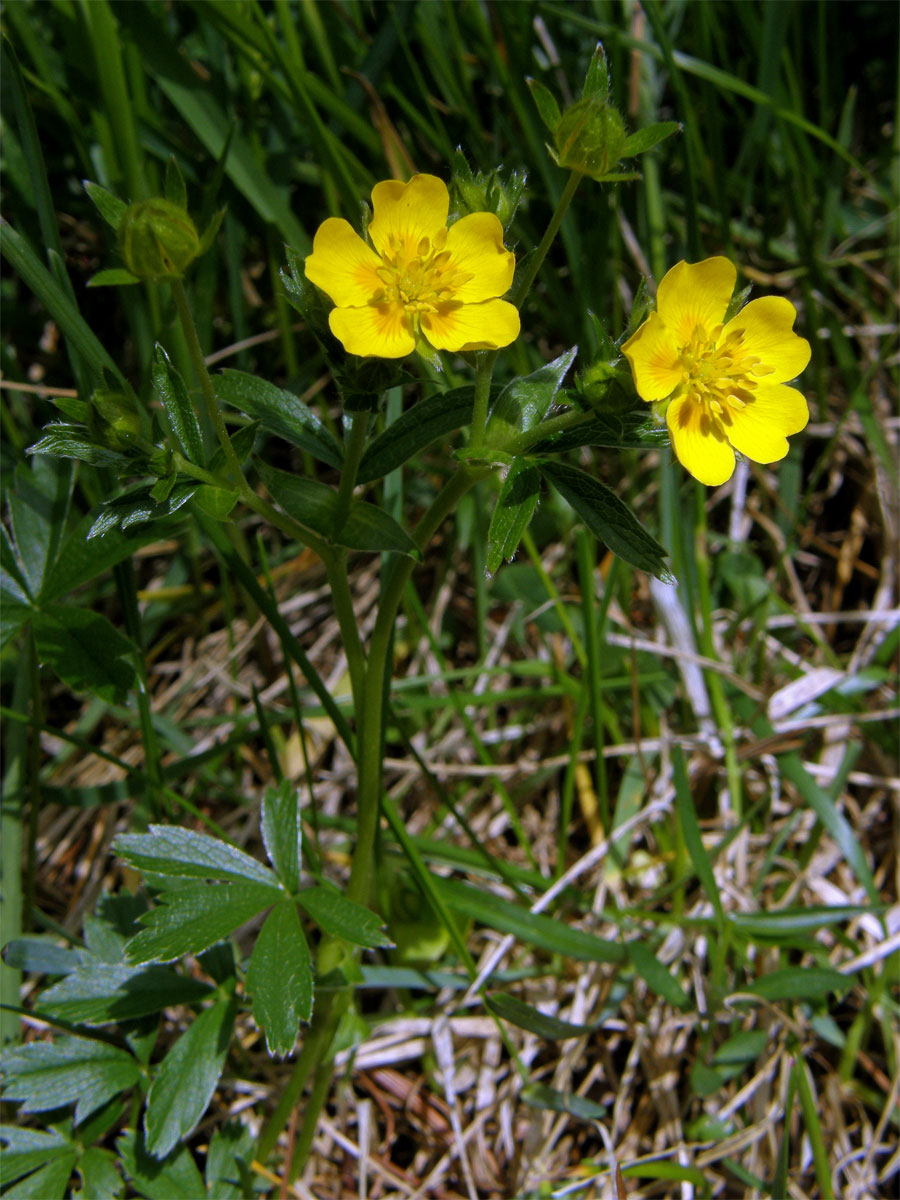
(421, 277)
(726, 381)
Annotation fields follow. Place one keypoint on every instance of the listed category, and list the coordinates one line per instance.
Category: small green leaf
(539, 1095)
(608, 518)
(617, 430)
(517, 1012)
(112, 277)
(82, 558)
(800, 983)
(216, 502)
(228, 1160)
(48, 1075)
(280, 412)
(49, 1183)
(100, 1178)
(656, 975)
(174, 1178)
(25, 1149)
(280, 978)
(38, 507)
(86, 651)
(524, 402)
(168, 850)
(513, 512)
(187, 1077)
(545, 101)
(36, 954)
(100, 993)
(110, 207)
(196, 916)
(341, 918)
(169, 387)
(281, 832)
(74, 441)
(425, 422)
(648, 137)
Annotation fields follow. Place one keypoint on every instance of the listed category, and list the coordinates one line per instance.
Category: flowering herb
(725, 382)
(421, 280)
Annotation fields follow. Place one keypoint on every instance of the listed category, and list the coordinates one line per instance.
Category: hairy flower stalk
(725, 382)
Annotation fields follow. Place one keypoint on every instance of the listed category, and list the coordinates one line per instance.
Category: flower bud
(158, 240)
(496, 191)
(590, 138)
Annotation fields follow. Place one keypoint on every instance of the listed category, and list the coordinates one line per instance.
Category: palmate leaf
(47, 1075)
(280, 978)
(608, 518)
(187, 1077)
(195, 916)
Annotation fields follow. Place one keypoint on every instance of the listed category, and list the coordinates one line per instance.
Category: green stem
(522, 285)
(523, 442)
(342, 598)
(484, 369)
(354, 446)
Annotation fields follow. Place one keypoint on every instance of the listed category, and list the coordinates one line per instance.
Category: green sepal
(545, 102)
(110, 207)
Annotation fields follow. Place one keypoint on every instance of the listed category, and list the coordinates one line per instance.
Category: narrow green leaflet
(341, 918)
(546, 104)
(428, 420)
(228, 1162)
(513, 511)
(745, 1046)
(523, 403)
(85, 650)
(100, 993)
(138, 506)
(174, 1178)
(620, 431)
(49, 1183)
(112, 277)
(534, 929)
(47, 1075)
(35, 954)
(26, 1149)
(168, 850)
(197, 915)
(608, 518)
(110, 207)
(789, 922)
(280, 978)
(539, 1095)
(100, 1178)
(74, 441)
(525, 1016)
(38, 505)
(656, 975)
(169, 387)
(280, 412)
(313, 504)
(648, 137)
(281, 832)
(187, 1077)
(82, 559)
(800, 983)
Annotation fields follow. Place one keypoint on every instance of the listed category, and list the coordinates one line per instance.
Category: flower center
(419, 277)
(721, 375)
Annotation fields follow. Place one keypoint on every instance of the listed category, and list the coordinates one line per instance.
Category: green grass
(531, 716)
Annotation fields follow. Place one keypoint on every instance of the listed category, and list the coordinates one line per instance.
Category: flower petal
(476, 247)
(693, 294)
(653, 355)
(408, 212)
(486, 326)
(699, 441)
(767, 332)
(377, 330)
(342, 265)
(761, 429)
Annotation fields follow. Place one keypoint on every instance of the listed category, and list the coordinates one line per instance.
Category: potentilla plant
(429, 276)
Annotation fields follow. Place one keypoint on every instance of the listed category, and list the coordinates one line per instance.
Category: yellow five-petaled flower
(421, 278)
(726, 381)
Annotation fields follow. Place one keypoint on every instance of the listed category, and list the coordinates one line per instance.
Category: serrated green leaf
(524, 402)
(539, 1095)
(197, 915)
(314, 505)
(168, 850)
(545, 102)
(26, 1149)
(228, 1160)
(512, 513)
(525, 1016)
(341, 918)
(535, 929)
(648, 137)
(48, 1075)
(112, 277)
(800, 983)
(170, 388)
(617, 430)
(657, 976)
(608, 518)
(428, 420)
(173, 1178)
(49, 1183)
(187, 1077)
(74, 441)
(100, 1178)
(280, 978)
(137, 507)
(85, 650)
(216, 502)
(281, 832)
(100, 993)
(110, 207)
(280, 412)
